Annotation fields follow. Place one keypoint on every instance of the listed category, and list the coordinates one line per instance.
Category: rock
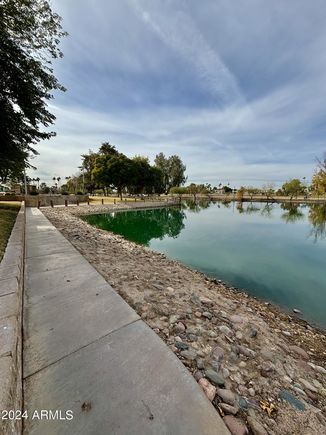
(251, 391)
(217, 353)
(215, 365)
(299, 391)
(256, 427)
(226, 330)
(215, 377)
(233, 358)
(317, 384)
(200, 363)
(243, 403)
(322, 392)
(198, 314)
(290, 371)
(207, 314)
(312, 395)
(246, 351)
(225, 372)
(243, 390)
(179, 327)
(296, 311)
(286, 333)
(238, 378)
(287, 396)
(228, 409)
(267, 354)
(198, 375)
(299, 351)
(267, 368)
(308, 385)
(235, 425)
(239, 335)
(181, 346)
(253, 333)
(287, 379)
(170, 289)
(212, 334)
(237, 319)
(192, 337)
(208, 388)
(173, 319)
(242, 364)
(188, 354)
(320, 369)
(206, 301)
(226, 395)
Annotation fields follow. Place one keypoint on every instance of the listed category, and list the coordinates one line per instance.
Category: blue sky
(236, 88)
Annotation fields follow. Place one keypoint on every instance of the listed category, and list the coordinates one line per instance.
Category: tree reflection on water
(317, 218)
(141, 226)
(292, 213)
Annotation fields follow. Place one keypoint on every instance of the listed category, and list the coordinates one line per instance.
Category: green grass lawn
(8, 213)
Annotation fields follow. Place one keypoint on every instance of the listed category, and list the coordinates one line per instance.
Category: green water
(275, 252)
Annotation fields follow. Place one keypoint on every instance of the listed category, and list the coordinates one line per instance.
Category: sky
(236, 88)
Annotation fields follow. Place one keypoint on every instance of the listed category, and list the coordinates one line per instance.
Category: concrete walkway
(87, 351)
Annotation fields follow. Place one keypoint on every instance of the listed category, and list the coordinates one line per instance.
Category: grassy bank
(8, 213)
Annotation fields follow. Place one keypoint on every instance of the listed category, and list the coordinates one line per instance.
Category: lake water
(275, 252)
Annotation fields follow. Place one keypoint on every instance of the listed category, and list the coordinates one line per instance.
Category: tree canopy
(173, 171)
(319, 178)
(293, 187)
(30, 33)
(110, 169)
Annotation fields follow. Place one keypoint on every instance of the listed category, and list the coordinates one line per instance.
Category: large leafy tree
(172, 169)
(319, 178)
(30, 33)
(113, 171)
(293, 187)
(89, 162)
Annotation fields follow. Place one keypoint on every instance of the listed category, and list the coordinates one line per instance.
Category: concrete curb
(11, 291)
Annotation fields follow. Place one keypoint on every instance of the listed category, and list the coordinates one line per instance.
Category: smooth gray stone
(127, 383)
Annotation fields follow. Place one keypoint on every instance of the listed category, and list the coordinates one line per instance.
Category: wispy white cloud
(179, 31)
(236, 88)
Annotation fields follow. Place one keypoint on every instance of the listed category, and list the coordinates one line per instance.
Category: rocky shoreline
(263, 370)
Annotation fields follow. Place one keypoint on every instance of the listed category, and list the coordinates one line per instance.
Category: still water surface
(275, 252)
